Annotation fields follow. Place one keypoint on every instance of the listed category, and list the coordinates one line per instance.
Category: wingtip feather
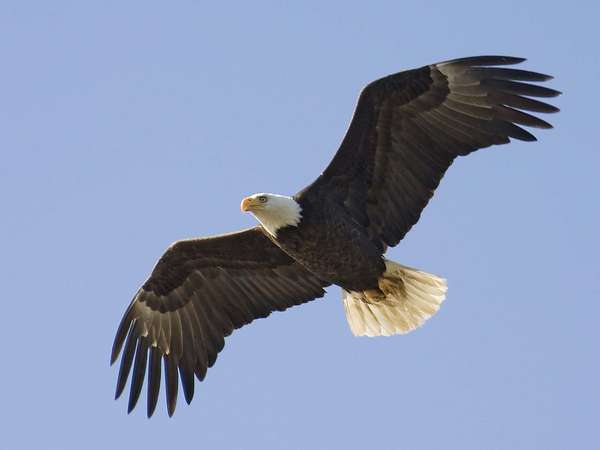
(484, 60)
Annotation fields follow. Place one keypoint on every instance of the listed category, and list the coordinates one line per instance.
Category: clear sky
(128, 125)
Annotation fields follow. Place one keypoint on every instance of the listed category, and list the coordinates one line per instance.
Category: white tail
(410, 297)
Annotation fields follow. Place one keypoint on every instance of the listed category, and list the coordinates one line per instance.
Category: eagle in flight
(406, 131)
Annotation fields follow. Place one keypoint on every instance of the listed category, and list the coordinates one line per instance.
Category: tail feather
(409, 298)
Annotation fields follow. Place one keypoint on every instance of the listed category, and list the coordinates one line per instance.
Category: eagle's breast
(332, 246)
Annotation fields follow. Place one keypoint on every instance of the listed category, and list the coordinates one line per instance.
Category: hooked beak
(247, 204)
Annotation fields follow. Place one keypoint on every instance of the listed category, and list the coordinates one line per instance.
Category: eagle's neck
(282, 211)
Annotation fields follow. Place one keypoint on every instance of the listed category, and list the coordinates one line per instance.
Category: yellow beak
(246, 204)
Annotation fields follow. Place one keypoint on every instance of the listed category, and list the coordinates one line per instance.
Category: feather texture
(406, 131)
(199, 292)
(408, 128)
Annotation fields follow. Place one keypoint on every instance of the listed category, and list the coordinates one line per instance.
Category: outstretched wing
(198, 293)
(408, 128)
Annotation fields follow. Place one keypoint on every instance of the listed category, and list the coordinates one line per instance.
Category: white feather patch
(411, 297)
(279, 211)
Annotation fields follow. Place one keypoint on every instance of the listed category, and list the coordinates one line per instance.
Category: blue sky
(128, 125)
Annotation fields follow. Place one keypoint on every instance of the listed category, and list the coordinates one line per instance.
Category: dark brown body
(333, 246)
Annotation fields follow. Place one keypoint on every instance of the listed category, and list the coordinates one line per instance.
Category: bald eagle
(406, 131)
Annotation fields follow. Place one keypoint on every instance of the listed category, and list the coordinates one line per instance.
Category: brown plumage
(406, 131)
(198, 293)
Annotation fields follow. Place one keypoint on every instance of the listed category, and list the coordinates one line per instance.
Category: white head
(273, 211)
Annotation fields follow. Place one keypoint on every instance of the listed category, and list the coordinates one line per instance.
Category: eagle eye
(262, 199)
